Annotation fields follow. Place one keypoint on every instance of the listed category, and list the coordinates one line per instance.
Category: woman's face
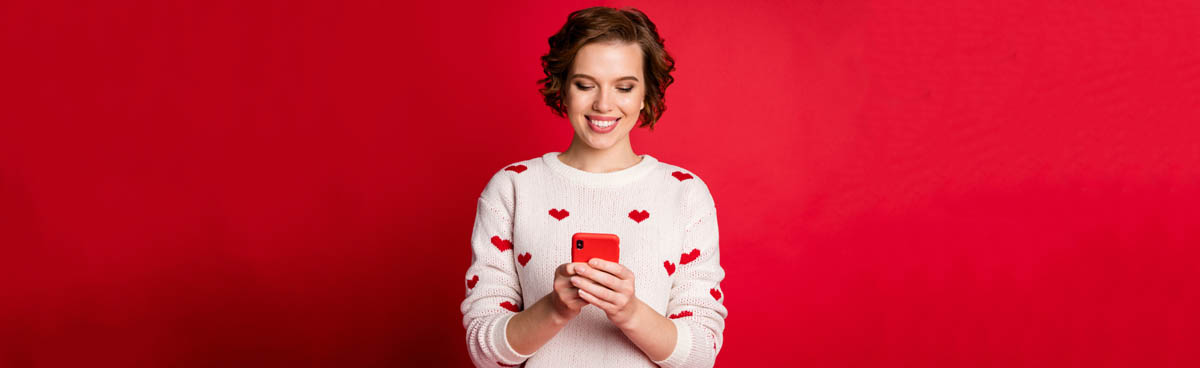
(605, 92)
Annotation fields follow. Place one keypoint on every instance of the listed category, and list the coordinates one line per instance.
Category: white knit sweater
(667, 223)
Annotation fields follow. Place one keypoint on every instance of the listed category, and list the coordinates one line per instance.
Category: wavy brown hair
(601, 24)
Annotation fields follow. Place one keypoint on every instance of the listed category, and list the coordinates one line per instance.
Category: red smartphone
(585, 246)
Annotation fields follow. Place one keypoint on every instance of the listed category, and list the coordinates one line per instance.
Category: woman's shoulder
(680, 174)
(692, 189)
(515, 169)
(500, 188)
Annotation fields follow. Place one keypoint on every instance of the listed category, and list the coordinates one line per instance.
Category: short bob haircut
(601, 24)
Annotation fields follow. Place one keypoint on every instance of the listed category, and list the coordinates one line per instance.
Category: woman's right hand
(565, 298)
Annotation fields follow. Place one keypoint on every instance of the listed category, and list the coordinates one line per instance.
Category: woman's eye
(583, 87)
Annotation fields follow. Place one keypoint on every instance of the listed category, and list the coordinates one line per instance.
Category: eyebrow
(581, 75)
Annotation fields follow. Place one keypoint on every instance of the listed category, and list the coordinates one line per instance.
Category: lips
(602, 124)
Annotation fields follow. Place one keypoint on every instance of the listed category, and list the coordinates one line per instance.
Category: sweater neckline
(599, 180)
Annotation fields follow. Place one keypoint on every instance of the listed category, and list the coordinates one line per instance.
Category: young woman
(661, 302)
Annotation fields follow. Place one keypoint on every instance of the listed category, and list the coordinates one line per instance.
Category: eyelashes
(585, 88)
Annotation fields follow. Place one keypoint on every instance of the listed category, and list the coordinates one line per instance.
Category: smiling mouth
(603, 123)
(602, 126)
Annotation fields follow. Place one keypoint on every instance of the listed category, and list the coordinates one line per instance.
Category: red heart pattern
(559, 214)
(510, 306)
(639, 216)
(516, 168)
(501, 244)
(681, 314)
(689, 257)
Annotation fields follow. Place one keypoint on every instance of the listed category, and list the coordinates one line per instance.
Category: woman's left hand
(608, 285)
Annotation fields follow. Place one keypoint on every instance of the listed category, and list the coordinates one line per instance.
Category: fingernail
(570, 269)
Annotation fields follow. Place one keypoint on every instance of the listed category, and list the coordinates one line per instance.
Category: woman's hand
(565, 298)
(608, 285)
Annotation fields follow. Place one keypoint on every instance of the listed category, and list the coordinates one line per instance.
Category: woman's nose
(602, 102)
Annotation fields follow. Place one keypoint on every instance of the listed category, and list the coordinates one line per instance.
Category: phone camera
(579, 244)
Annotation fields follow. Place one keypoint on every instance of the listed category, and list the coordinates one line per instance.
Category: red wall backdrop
(293, 184)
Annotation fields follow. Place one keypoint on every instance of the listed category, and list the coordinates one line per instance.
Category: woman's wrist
(551, 312)
(639, 317)
(531, 328)
(653, 333)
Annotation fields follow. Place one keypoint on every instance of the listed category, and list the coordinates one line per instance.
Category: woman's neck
(583, 157)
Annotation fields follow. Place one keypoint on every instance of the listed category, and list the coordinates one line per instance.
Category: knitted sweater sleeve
(493, 292)
(697, 302)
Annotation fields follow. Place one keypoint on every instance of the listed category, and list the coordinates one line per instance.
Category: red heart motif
(715, 293)
(501, 244)
(510, 306)
(681, 314)
(689, 257)
(471, 283)
(524, 258)
(681, 176)
(516, 168)
(559, 214)
(670, 267)
(638, 216)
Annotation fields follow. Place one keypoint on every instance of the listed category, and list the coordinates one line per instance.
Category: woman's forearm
(651, 332)
(530, 329)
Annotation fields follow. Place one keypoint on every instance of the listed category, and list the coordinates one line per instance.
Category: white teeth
(603, 124)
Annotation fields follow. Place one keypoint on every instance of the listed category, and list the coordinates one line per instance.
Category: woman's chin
(599, 144)
(598, 141)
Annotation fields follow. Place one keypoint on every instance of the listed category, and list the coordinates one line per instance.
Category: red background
(950, 184)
